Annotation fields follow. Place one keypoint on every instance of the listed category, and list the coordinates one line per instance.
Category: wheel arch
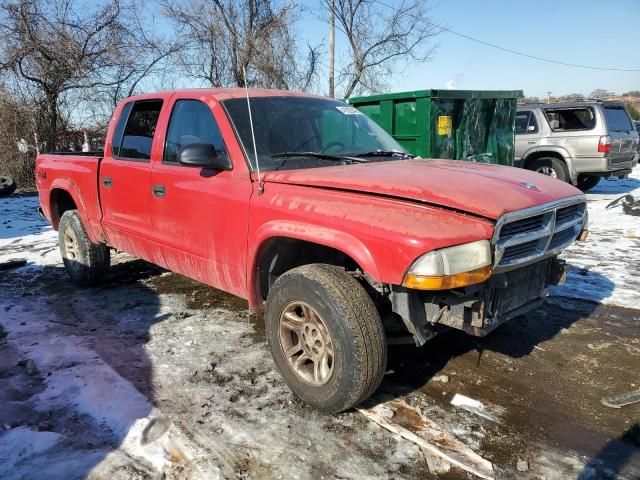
(556, 152)
(64, 196)
(283, 246)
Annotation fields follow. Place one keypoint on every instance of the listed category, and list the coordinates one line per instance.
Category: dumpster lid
(445, 93)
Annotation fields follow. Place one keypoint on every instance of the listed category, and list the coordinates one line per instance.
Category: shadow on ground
(616, 186)
(73, 366)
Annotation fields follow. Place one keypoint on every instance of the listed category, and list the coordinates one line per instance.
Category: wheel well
(282, 254)
(536, 155)
(61, 201)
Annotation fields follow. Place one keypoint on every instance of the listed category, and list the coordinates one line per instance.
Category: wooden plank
(406, 421)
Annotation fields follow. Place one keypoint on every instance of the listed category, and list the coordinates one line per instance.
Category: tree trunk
(51, 124)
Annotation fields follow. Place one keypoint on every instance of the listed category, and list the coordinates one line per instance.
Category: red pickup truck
(306, 208)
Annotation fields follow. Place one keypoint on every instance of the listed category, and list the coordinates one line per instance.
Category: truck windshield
(322, 131)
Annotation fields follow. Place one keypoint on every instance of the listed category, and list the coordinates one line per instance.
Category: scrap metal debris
(630, 205)
(406, 421)
(619, 401)
(477, 407)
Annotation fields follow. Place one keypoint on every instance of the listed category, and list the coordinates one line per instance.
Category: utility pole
(332, 46)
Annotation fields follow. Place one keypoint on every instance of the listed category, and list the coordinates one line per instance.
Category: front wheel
(587, 182)
(325, 336)
(85, 262)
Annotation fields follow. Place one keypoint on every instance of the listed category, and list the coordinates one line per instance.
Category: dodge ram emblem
(530, 186)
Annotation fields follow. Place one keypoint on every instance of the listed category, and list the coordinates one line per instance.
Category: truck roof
(226, 93)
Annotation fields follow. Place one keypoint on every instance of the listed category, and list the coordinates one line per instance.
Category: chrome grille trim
(560, 222)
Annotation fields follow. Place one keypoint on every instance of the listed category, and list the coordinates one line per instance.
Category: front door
(200, 216)
(125, 177)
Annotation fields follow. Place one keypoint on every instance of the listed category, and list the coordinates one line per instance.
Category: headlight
(451, 267)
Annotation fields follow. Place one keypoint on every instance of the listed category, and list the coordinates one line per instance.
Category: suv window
(191, 122)
(524, 120)
(617, 119)
(568, 119)
(137, 138)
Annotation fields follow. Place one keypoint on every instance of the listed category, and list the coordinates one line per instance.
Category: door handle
(158, 190)
(532, 142)
(107, 182)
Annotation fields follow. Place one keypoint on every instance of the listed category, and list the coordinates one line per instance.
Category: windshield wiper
(385, 153)
(321, 156)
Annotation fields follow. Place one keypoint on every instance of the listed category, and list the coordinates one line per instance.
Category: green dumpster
(457, 124)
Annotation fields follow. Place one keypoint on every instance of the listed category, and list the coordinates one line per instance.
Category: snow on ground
(606, 268)
(153, 373)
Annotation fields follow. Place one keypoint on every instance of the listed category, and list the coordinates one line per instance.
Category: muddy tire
(551, 166)
(587, 182)
(7, 186)
(85, 262)
(325, 336)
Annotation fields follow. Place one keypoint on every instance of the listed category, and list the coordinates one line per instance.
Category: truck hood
(480, 189)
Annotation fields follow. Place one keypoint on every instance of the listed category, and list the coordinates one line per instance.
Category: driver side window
(191, 122)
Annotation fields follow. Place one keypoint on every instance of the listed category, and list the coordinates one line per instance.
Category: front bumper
(477, 309)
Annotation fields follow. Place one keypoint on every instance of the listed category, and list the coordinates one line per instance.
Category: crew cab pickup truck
(306, 208)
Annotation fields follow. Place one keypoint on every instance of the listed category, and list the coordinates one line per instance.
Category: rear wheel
(325, 336)
(85, 262)
(552, 166)
(587, 182)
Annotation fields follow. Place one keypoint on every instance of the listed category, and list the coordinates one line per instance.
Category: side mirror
(531, 128)
(203, 155)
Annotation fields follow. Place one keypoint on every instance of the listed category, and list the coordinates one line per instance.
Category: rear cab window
(133, 140)
(617, 119)
(526, 122)
(570, 119)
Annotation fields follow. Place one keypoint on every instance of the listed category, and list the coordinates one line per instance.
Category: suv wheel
(325, 336)
(552, 166)
(85, 262)
(587, 182)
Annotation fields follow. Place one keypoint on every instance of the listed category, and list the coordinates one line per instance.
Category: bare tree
(380, 36)
(61, 48)
(229, 37)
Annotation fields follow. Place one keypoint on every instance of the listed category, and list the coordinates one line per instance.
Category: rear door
(623, 136)
(527, 134)
(125, 177)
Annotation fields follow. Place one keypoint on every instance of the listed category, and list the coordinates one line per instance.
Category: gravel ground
(152, 375)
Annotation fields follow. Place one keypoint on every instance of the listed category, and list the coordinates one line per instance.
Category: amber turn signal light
(446, 282)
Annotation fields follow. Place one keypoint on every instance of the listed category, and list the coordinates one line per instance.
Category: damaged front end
(525, 247)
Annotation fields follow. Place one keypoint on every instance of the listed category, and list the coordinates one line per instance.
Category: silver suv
(577, 142)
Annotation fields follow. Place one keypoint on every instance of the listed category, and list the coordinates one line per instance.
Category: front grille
(526, 236)
(522, 226)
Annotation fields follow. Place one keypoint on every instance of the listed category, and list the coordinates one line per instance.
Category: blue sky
(601, 33)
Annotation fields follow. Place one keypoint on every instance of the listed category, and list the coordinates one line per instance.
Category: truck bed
(73, 174)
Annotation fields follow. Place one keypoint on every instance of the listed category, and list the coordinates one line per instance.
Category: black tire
(551, 166)
(587, 182)
(357, 337)
(7, 186)
(85, 262)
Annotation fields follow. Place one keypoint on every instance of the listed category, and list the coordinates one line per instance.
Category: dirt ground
(152, 375)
